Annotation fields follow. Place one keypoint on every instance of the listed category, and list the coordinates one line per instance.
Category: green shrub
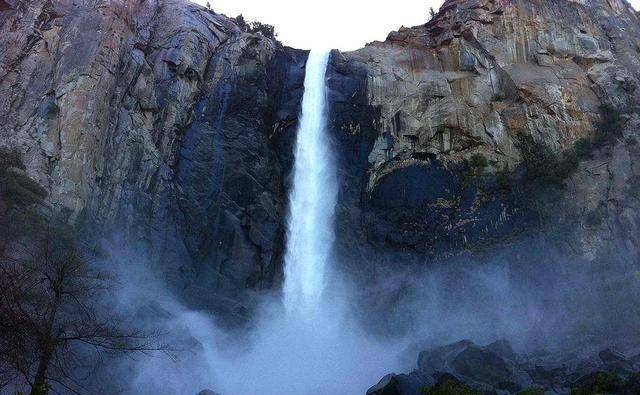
(449, 385)
(262, 29)
(478, 161)
(503, 178)
(583, 148)
(242, 23)
(256, 27)
(599, 383)
(41, 390)
(473, 166)
(542, 166)
(16, 188)
(531, 391)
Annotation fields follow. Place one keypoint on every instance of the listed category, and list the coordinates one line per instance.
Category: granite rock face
(437, 140)
(159, 124)
(169, 128)
(467, 368)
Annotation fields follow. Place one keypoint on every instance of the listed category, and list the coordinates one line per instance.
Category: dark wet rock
(457, 139)
(207, 392)
(503, 349)
(401, 384)
(480, 365)
(485, 366)
(497, 368)
(617, 362)
(441, 94)
(388, 385)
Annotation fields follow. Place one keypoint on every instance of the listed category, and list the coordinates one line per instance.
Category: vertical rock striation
(439, 123)
(159, 122)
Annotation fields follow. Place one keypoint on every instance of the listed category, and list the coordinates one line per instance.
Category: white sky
(342, 24)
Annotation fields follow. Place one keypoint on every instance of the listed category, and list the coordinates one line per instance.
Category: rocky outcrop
(448, 110)
(157, 123)
(466, 368)
(497, 134)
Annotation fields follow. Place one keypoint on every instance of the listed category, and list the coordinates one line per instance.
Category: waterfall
(312, 345)
(312, 199)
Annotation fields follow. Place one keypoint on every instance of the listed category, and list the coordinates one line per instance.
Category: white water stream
(313, 345)
(312, 200)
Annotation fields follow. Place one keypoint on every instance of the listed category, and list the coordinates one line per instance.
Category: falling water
(313, 347)
(313, 197)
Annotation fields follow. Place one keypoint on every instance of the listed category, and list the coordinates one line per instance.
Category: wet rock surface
(467, 368)
(496, 126)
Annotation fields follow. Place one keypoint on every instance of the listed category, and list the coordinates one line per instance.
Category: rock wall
(159, 124)
(449, 110)
(169, 127)
(467, 368)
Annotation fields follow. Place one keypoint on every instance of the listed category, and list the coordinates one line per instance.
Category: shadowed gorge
(455, 209)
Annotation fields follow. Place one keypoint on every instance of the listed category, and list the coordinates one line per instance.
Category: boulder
(492, 366)
(401, 384)
(467, 368)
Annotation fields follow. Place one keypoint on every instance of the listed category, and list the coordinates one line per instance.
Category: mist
(334, 330)
(544, 307)
(533, 294)
(302, 343)
(280, 354)
(188, 205)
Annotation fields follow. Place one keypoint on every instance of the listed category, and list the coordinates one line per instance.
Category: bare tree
(432, 13)
(51, 305)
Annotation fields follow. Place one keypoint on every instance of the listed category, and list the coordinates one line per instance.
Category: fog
(336, 333)
(307, 345)
(535, 295)
(328, 353)
(536, 305)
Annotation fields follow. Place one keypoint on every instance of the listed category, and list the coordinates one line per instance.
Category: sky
(341, 24)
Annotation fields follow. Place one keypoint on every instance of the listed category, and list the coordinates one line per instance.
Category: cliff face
(161, 123)
(170, 127)
(494, 118)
